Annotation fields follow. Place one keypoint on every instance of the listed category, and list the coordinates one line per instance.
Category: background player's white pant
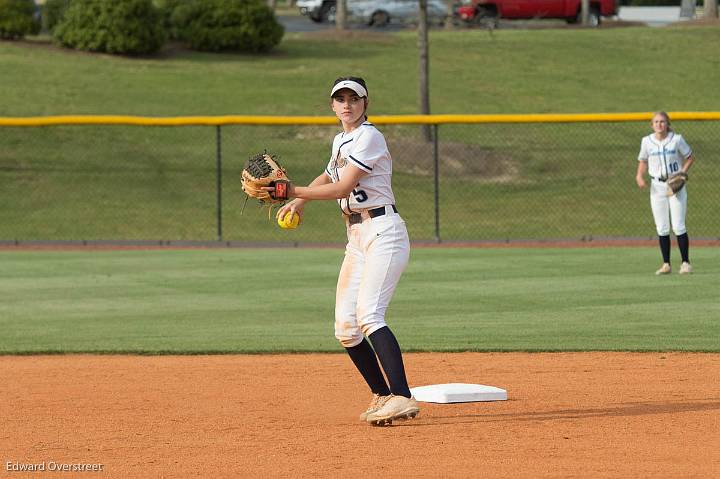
(668, 210)
(375, 257)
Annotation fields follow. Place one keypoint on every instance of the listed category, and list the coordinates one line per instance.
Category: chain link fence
(496, 180)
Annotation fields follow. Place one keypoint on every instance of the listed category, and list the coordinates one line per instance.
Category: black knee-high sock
(366, 362)
(388, 351)
(684, 245)
(665, 247)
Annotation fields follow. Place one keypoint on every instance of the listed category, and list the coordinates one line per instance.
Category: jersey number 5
(359, 195)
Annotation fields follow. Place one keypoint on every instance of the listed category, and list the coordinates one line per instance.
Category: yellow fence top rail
(329, 120)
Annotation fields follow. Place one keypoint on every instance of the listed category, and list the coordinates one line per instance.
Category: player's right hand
(640, 182)
(295, 206)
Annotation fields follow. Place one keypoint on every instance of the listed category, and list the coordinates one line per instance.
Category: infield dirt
(568, 415)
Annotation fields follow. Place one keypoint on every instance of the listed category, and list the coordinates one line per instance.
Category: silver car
(317, 10)
(379, 13)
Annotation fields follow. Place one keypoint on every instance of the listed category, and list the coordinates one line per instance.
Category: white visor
(352, 85)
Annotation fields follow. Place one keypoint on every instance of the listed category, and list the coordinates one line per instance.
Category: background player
(662, 154)
(358, 176)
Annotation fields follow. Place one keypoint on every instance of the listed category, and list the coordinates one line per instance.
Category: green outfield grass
(281, 300)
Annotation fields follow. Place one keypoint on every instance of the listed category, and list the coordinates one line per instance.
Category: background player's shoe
(664, 269)
(376, 403)
(685, 268)
(396, 407)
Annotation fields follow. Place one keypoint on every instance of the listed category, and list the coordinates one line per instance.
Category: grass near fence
(472, 71)
(215, 301)
(497, 182)
(159, 183)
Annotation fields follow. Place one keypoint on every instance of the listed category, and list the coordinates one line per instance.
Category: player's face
(349, 107)
(660, 124)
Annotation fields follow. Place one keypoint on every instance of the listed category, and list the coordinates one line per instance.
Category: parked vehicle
(377, 13)
(490, 11)
(318, 10)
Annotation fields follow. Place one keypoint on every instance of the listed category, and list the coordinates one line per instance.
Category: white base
(458, 392)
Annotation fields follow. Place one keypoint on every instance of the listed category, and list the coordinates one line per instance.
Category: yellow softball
(289, 222)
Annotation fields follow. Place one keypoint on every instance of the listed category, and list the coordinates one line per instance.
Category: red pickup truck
(490, 11)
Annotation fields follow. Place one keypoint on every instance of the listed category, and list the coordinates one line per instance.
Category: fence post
(436, 163)
(218, 179)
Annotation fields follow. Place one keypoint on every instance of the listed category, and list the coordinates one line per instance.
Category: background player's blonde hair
(664, 115)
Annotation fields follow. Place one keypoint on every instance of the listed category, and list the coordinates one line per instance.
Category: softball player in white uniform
(662, 154)
(358, 176)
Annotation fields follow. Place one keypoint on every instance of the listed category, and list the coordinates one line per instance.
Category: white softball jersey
(378, 248)
(665, 158)
(364, 148)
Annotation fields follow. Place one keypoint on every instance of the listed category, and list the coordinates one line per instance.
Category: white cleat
(395, 407)
(376, 403)
(685, 268)
(664, 269)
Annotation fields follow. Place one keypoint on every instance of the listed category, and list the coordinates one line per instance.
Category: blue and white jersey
(664, 157)
(364, 148)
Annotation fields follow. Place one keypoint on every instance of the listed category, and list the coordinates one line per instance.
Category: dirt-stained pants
(377, 252)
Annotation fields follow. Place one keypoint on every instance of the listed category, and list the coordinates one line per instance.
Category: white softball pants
(376, 255)
(666, 210)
